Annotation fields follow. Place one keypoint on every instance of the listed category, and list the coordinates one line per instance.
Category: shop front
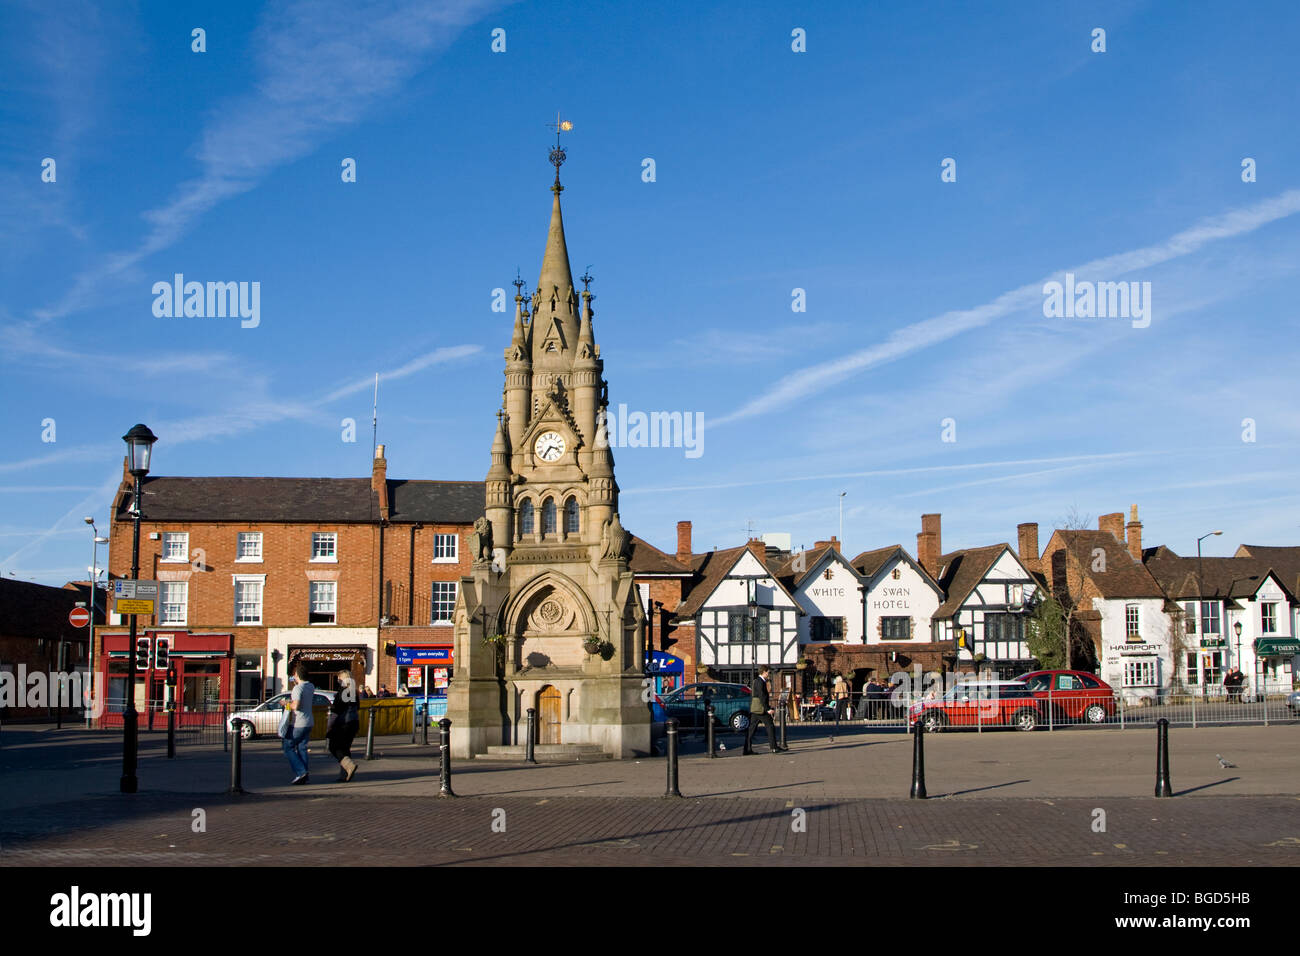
(666, 671)
(1275, 658)
(424, 672)
(324, 663)
(202, 664)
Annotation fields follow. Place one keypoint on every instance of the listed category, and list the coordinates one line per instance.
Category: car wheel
(246, 730)
(1095, 714)
(1026, 719)
(740, 721)
(934, 721)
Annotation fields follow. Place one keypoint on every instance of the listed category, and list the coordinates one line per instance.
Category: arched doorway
(548, 715)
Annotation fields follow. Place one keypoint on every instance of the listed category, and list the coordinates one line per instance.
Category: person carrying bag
(344, 722)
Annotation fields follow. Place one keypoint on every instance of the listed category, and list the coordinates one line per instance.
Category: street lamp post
(94, 577)
(139, 443)
(1236, 656)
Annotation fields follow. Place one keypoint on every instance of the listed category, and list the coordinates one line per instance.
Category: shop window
(1140, 673)
(323, 602)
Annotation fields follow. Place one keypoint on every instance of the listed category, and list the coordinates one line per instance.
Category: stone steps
(550, 753)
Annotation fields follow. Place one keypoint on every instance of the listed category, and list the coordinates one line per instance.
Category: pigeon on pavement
(1224, 764)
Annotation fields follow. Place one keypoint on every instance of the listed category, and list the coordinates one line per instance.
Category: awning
(1276, 646)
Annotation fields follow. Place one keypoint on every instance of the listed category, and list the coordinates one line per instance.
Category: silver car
(265, 718)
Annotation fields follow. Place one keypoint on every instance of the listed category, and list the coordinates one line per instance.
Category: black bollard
(918, 761)
(413, 721)
(236, 758)
(836, 729)
(424, 720)
(529, 756)
(708, 727)
(672, 759)
(1163, 788)
(171, 730)
(444, 745)
(784, 707)
(225, 722)
(370, 734)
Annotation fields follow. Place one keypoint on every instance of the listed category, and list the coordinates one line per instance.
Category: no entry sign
(78, 617)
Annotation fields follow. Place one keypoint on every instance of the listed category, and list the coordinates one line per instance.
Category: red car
(979, 704)
(1075, 695)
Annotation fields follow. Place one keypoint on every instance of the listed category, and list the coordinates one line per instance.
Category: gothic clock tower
(549, 618)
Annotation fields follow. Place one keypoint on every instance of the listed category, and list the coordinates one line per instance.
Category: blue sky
(775, 170)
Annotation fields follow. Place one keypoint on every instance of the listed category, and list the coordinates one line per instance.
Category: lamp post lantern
(139, 444)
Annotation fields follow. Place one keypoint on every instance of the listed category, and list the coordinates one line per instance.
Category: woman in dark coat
(344, 721)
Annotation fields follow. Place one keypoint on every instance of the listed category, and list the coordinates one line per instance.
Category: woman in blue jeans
(300, 723)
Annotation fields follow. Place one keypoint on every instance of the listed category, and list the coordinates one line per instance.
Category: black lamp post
(1236, 660)
(139, 444)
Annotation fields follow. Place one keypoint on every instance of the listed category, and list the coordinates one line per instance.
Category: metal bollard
(413, 721)
(236, 759)
(225, 722)
(918, 761)
(171, 729)
(529, 756)
(836, 729)
(370, 735)
(672, 759)
(444, 745)
(784, 708)
(708, 728)
(1163, 787)
(424, 721)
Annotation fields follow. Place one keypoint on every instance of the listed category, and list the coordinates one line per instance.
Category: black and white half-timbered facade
(744, 618)
(990, 597)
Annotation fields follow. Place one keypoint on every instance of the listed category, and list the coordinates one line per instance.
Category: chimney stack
(1134, 528)
(758, 548)
(834, 542)
(1027, 534)
(1114, 523)
(683, 541)
(379, 481)
(929, 544)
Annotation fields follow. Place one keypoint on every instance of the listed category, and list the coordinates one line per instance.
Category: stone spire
(555, 273)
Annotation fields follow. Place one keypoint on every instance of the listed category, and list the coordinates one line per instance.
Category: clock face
(549, 446)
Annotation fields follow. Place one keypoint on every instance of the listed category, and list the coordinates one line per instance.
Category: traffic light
(161, 650)
(142, 654)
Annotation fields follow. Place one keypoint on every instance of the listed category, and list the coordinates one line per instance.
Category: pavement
(1081, 796)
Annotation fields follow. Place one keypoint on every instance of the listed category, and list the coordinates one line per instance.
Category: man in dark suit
(760, 708)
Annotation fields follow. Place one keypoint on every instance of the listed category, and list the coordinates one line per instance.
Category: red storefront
(203, 664)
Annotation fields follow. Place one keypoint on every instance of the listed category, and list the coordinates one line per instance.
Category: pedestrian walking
(760, 708)
(298, 731)
(840, 690)
(344, 721)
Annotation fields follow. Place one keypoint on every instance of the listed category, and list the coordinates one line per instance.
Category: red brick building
(256, 572)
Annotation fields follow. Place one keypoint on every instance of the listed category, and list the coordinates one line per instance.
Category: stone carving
(480, 540)
(614, 539)
(551, 614)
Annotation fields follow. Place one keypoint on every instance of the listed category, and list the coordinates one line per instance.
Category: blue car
(687, 704)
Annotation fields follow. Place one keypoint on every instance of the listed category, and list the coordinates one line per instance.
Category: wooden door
(548, 715)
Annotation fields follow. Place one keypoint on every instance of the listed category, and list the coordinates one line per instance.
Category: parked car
(979, 704)
(265, 717)
(1075, 695)
(730, 704)
(1293, 701)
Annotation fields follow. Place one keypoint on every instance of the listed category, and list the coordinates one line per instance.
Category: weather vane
(585, 278)
(557, 154)
(518, 283)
